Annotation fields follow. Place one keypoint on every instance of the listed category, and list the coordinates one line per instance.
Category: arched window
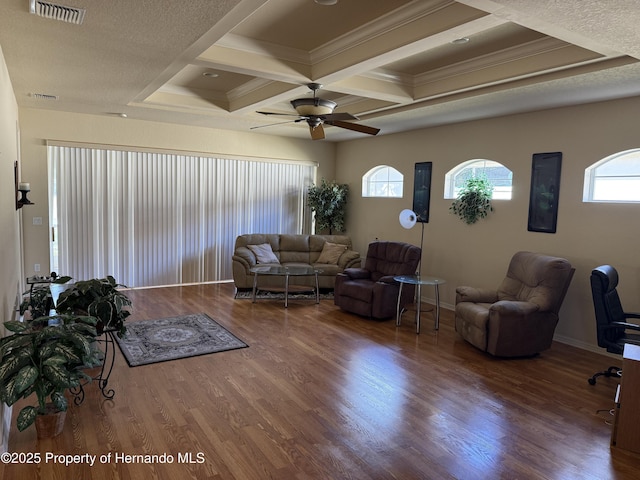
(615, 178)
(382, 181)
(498, 175)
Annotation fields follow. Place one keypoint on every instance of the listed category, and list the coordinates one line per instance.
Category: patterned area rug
(152, 341)
(262, 295)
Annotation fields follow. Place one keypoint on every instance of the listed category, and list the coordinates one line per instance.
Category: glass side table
(419, 281)
(286, 271)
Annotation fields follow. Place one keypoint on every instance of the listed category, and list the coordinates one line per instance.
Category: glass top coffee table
(419, 281)
(286, 272)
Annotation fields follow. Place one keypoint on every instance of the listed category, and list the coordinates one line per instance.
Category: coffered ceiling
(394, 64)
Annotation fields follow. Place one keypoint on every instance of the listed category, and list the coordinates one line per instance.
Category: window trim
(366, 182)
(590, 177)
(449, 178)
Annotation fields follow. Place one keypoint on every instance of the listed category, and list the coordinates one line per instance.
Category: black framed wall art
(545, 192)
(422, 190)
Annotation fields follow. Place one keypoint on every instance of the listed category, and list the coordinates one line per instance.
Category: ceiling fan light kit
(313, 106)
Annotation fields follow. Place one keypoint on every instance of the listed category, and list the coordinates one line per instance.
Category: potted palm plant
(100, 298)
(46, 362)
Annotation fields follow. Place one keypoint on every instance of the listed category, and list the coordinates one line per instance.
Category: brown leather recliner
(371, 291)
(519, 318)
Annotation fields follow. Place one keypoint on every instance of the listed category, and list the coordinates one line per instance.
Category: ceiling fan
(317, 112)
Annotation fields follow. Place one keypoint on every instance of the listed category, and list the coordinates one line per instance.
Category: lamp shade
(408, 218)
(313, 106)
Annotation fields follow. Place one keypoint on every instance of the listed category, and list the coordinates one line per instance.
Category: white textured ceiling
(391, 63)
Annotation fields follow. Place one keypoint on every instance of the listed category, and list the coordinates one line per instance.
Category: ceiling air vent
(44, 96)
(57, 12)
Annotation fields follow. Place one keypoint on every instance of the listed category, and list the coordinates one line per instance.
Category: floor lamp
(408, 219)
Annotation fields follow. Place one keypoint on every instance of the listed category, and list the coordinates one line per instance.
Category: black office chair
(610, 317)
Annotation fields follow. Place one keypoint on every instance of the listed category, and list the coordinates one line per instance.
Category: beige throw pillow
(331, 253)
(264, 253)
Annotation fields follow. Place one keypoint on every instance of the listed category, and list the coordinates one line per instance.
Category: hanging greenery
(474, 200)
(328, 201)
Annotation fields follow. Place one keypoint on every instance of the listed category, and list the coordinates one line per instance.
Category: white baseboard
(556, 338)
(584, 346)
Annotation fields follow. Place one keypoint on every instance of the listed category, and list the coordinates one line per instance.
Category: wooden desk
(626, 429)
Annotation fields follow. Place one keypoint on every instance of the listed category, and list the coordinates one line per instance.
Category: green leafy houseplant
(474, 200)
(328, 201)
(46, 362)
(100, 298)
(38, 300)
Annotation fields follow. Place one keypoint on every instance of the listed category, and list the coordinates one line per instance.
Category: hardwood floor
(322, 394)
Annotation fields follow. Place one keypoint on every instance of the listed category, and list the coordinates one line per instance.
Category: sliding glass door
(153, 218)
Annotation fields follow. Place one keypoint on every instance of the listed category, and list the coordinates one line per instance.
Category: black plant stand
(108, 343)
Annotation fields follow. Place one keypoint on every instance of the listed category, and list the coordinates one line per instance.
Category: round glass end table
(418, 281)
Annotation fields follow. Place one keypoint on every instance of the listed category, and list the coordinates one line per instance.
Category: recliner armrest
(476, 295)
(387, 279)
(357, 273)
(514, 308)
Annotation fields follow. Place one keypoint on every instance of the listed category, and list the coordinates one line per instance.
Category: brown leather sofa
(290, 249)
(520, 317)
(371, 291)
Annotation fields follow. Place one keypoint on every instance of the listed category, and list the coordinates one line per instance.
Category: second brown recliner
(371, 291)
(520, 317)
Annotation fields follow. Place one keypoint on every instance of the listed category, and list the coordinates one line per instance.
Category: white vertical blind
(162, 218)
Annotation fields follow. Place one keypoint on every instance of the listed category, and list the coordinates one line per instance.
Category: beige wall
(10, 274)
(41, 125)
(588, 234)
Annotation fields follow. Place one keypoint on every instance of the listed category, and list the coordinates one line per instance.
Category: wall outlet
(37, 220)
(36, 267)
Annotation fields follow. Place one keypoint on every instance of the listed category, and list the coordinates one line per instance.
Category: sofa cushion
(294, 248)
(331, 253)
(263, 253)
(316, 244)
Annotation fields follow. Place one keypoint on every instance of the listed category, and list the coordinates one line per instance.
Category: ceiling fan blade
(317, 132)
(354, 126)
(277, 123)
(281, 114)
(338, 116)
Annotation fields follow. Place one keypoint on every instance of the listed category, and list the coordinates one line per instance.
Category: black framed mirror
(545, 192)
(422, 190)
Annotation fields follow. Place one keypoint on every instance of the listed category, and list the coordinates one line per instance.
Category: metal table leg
(286, 290)
(437, 306)
(419, 307)
(398, 312)
(255, 286)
